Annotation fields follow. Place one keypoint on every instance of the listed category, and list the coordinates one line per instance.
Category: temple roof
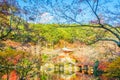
(67, 49)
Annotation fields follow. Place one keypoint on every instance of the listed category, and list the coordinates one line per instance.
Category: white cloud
(45, 17)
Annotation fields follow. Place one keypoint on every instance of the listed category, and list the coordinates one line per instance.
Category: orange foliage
(11, 43)
(16, 58)
(12, 76)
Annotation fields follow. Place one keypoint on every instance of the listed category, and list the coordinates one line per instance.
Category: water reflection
(64, 72)
(62, 76)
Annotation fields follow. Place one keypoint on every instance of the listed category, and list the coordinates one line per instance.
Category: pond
(62, 76)
(65, 72)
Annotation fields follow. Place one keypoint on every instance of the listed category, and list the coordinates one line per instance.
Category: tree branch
(94, 12)
(103, 26)
(117, 30)
(115, 34)
(104, 39)
(96, 5)
(3, 36)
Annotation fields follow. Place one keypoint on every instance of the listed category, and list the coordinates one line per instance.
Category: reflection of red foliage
(103, 77)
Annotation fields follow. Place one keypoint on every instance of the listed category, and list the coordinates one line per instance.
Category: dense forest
(53, 33)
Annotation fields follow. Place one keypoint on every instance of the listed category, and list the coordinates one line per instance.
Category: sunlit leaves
(55, 33)
(113, 69)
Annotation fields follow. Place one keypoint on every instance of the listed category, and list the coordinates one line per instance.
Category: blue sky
(41, 12)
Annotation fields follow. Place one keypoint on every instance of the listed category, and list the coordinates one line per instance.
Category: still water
(65, 73)
(62, 76)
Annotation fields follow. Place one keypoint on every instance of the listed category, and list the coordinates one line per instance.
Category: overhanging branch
(104, 39)
(101, 25)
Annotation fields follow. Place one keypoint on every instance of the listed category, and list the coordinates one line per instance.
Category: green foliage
(43, 76)
(44, 57)
(96, 71)
(24, 66)
(113, 69)
(6, 19)
(50, 33)
(53, 33)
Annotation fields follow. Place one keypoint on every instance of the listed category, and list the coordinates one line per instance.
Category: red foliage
(13, 76)
(15, 60)
(103, 65)
(103, 78)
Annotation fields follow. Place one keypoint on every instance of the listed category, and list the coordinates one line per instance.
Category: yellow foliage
(113, 69)
(11, 53)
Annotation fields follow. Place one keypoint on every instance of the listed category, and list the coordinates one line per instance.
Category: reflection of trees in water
(80, 76)
(65, 75)
(62, 76)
